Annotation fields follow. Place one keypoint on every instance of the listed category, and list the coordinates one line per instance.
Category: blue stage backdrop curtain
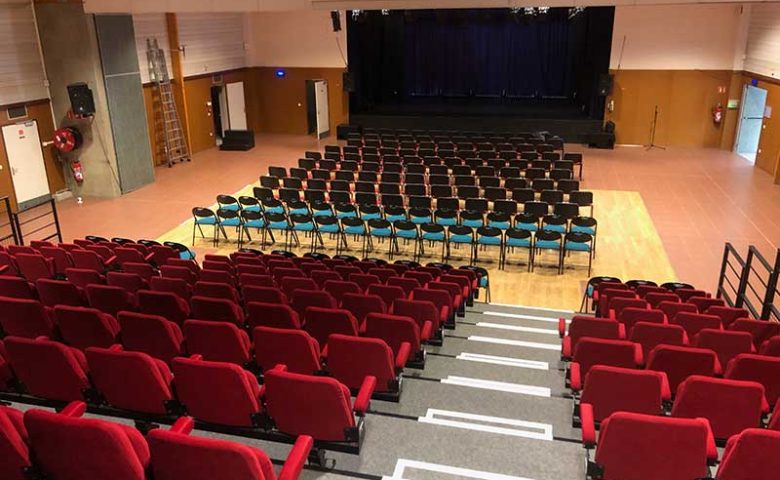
(495, 57)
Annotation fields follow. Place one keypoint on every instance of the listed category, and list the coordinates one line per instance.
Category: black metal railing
(750, 282)
(8, 232)
(40, 222)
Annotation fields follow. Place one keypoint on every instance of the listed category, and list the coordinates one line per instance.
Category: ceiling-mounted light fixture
(574, 11)
(356, 14)
(385, 12)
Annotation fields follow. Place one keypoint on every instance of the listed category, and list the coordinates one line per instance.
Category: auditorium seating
(600, 351)
(83, 327)
(726, 344)
(611, 389)
(14, 448)
(681, 362)
(750, 454)
(323, 322)
(351, 359)
(582, 326)
(217, 341)
(650, 335)
(295, 349)
(758, 368)
(396, 330)
(24, 317)
(151, 334)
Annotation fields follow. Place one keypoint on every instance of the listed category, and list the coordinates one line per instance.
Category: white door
(323, 115)
(236, 106)
(751, 122)
(25, 158)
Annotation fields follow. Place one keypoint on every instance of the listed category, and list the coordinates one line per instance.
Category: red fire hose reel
(68, 139)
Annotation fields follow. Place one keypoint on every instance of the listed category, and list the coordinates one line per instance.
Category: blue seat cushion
(578, 246)
(346, 214)
(556, 228)
(483, 282)
(499, 225)
(518, 242)
(550, 244)
(329, 228)
(278, 225)
(205, 220)
(394, 218)
(187, 255)
(531, 227)
(433, 237)
(381, 232)
(446, 222)
(460, 238)
(489, 240)
(371, 216)
(230, 222)
(421, 220)
(279, 209)
(255, 224)
(579, 229)
(359, 230)
(253, 208)
(321, 213)
(304, 227)
(472, 223)
(406, 234)
(299, 211)
(233, 207)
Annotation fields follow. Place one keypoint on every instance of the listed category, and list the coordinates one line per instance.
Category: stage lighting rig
(385, 12)
(574, 11)
(356, 15)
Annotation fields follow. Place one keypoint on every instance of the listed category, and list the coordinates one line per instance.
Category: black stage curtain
(485, 53)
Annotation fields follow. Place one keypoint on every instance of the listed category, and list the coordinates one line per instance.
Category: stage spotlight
(385, 12)
(356, 14)
(543, 10)
(530, 11)
(516, 10)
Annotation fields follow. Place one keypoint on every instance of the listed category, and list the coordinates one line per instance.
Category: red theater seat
(304, 299)
(458, 301)
(771, 347)
(322, 276)
(396, 330)
(672, 308)
(176, 455)
(383, 273)
(271, 315)
(48, 369)
(361, 305)
(322, 322)
(217, 392)
(687, 293)
(81, 277)
(182, 273)
(440, 299)
(34, 266)
(724, 343)
(254, 293)
(634, 446)
(630, 316)
(758, 368)
(388, 293)
(650, 335)
(421, 311)
(290, 284)
(681, 362)
(694, 322)
(25, 318)
(364, 280)
(608, 295)
(256, 280)
(143, 270)
(703, 303)
(216, 290)
(655, 299)
(82, 327)
(422, 277)
(130, 282)
(727, 314)
(316, 406)
(14, 450)
(151, 334)
(130, 380)
(407, 284)
(59, 292)
(617, 305)
(351, 359)
(761, 330)
(751, 455)
(583, 326)
(110, 300)
(165, 304)
(172, 285)
(70, 448)
(217, 341)
(15, 287)
(615, 389)
(601, 351)
(338, 288)
(216, 309)
(294, 348)
(730, 405)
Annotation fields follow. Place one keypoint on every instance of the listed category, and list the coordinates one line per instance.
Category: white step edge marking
(507, 361)
(533, 430)
(402, 464)
(497, 386)
(541, 309)
(515, 343)
(524, 317)
(517, 328)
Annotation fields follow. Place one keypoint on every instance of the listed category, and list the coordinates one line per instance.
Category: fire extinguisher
(717, 114)
(78, 172)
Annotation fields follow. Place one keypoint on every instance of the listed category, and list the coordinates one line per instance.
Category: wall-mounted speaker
(605, 84)
(81, 100)
(335, 17)
(348, 82)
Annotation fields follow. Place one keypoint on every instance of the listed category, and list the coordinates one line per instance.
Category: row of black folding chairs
(370, 153)
(393, 161)
(467, 148)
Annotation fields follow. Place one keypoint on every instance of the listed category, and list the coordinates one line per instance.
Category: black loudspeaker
(601, 140)
(81, 100)
(605, 84)
(241, 140)
(335, 17)
(348, 82)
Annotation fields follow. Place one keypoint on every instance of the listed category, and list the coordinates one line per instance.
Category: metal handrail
(747, 269)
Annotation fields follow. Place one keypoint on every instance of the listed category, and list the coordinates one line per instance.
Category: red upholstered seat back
(726, 344)
(34, 266)
(613, 389)
(694, 322)
(24, 318)
(655, 299)
(183, 273)
(130, 380)
(420, 311)
(261, 294)
(217, 341)
(758, 368)
(338, 288)
(640, 447)
(389, 293)
(216, 392)
(216, 290)
(761, 330)
(361, 305)
(304, 299)
(322, 322)
(582, 327)
(58, 292)
(351, 359)
(751, 454)
(48, 369)
(294, 348)
(599, 351)
(272, 315)
(730, 406)
(216, 309)
(727, 314)
(176, 456)
(408, 284)
(650, 335)
(394, 330)
(109, 299)
(308, 405)
(680, 362)
(173, 285)
(291, 284)
(165, 304)
(86, 327)
(630, 316)
(130, 282)
(69, 448)
(14, 452)
(771, 347)
(618, 304)
(15, 287)
(151, 334)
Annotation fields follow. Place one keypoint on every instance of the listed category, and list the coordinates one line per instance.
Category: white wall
(212, 42)
(296, 39)
(676, 37)
(762, 55)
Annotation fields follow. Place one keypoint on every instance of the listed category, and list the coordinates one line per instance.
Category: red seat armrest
(324, 353)
(639, 359)
(363, 399)
(116, 347)
(712, 449)
(427, 331)
(612, 315)
(4, 268)
(149, 257)
(403, 356)
(74, 409)
(595, 295)
(296, 459)
(622, 331)
(110, 261)
(566, 347)
(588, 425)
(575, 377)
(561, 327)
(183, 425)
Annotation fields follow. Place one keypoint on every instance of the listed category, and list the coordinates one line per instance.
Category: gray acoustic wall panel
(116, 42)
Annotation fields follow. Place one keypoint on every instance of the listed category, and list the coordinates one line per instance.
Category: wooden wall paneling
(199, 112)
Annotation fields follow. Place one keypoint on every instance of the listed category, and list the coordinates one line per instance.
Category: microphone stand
(652, 144)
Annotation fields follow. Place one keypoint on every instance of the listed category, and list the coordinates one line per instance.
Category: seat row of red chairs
(43, 444)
